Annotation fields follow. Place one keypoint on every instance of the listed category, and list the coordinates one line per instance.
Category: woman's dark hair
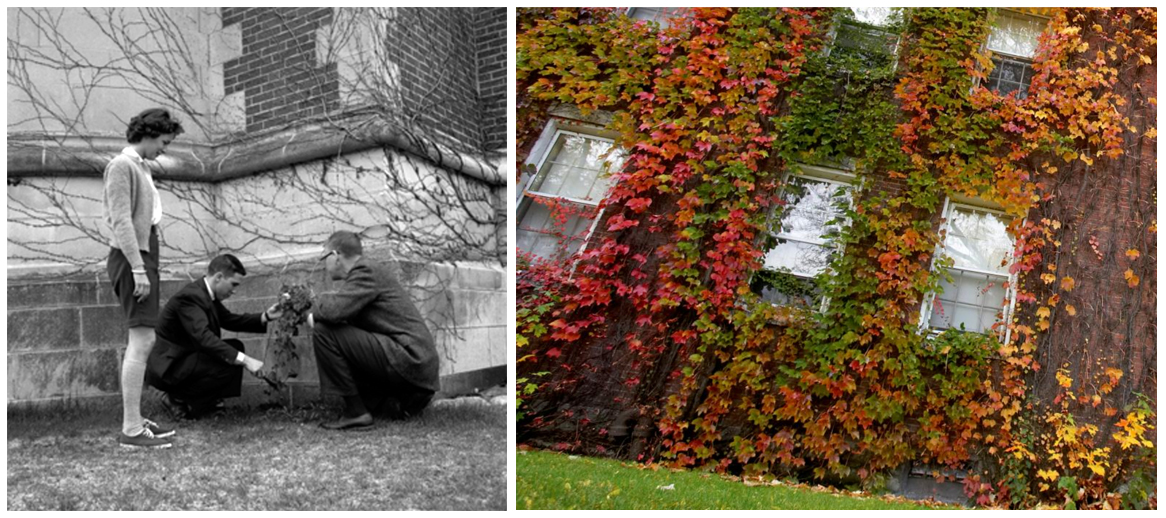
(151, 123)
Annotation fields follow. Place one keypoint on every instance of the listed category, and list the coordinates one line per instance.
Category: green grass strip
(547, 480)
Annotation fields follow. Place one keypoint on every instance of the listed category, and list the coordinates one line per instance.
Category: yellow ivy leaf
(1133, 254)
(1067, 283)
(1131, 278)
(1047, 474)
(1087, 160)
(1152, 133)
(1098, 469)
(1070, 309)
(1048, 278)
(1146, 59)
(1043, 312)
(1063, 379)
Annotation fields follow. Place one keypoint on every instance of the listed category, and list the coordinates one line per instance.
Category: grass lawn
(453, 457)
(556, 481)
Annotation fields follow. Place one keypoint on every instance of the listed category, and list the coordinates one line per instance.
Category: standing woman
(133, 210)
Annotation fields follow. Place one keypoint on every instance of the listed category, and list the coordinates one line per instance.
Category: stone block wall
(66, 339)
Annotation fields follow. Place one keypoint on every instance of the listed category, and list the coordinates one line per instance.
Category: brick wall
(435, 55)
(452, 66)
(490, 38)
(278, 71)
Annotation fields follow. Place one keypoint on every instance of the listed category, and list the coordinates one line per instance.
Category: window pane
(873, 48)
(657, 14)
(545, 233)
(802, 259)
(796, 292)
(574, 168)
(810, 205)
(872, 15)
(973, 300)
(1010, 75)
(1015, 34)
(978, 240)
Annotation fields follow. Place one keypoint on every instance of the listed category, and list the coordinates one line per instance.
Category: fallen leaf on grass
(669, 487)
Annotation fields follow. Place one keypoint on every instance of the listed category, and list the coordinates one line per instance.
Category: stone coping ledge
(38, 155)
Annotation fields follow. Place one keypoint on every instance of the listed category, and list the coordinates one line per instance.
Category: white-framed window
(814, 199)
(864, 34)
(1013, 40)
(980, 292)
(660, 15)
(558, 207)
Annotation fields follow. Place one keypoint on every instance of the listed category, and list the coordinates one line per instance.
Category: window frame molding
(840, 175)
(555, 127)
(984, 49)
(832, 35)
(1008, 310)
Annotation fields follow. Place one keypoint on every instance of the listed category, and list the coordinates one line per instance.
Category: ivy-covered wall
(651, 344)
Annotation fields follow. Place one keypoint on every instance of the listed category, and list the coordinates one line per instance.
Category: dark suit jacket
(192, 323)
(371, 299)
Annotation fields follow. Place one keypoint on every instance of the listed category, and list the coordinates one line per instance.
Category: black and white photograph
(257, 258)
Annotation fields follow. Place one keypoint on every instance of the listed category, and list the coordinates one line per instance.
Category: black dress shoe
(360, 422)
(177, 409)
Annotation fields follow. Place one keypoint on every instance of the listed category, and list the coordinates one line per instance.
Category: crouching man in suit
(372, 346)
(190, 361)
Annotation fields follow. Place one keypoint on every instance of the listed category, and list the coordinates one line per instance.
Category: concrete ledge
(38, 155)
(252, 395)
(472, 382)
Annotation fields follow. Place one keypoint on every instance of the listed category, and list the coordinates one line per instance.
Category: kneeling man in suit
(372, 346)
(190, 361)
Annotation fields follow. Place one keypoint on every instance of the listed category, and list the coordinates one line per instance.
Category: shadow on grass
(452, 457)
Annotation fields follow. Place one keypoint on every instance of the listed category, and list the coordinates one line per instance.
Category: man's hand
(252, 364)
(273, 313)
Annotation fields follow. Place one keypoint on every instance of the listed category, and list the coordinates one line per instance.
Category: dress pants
(202, 380)
(353, 362)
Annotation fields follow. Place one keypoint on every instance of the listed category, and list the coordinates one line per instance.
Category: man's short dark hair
(228, 264)
(152, 123)
(345, 243)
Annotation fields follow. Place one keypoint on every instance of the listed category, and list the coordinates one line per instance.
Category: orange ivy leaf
(1114, 374)
(1131, 278)
(1067, 283)
(1070, 309)
(1133, 254)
